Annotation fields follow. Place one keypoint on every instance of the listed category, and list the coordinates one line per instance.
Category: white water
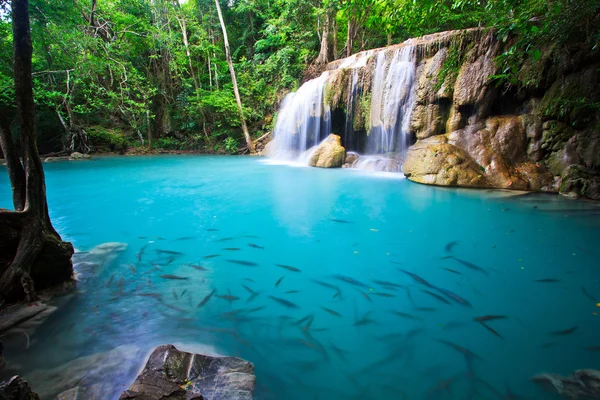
(304, 120)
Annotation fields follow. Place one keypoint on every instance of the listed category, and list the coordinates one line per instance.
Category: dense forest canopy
(112, 74)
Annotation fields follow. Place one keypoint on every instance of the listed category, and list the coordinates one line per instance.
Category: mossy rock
(106, 140)
(329, 154)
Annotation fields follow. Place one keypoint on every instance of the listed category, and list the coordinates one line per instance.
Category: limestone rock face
(17, 388)
(329, 154)
(177, 375)
(79, 156)
(437, 163)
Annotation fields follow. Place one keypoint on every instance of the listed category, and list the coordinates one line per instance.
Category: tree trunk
(350, 37)
(149, 126)
(16, 173)
(31, 252)
(335, 40)
(324, 54)
(234, 81)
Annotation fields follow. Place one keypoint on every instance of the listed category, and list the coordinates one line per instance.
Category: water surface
(358, 326)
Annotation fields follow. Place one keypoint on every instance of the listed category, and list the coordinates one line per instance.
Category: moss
(457, 52)
(106, 140)
(334, 88)
(362, 115)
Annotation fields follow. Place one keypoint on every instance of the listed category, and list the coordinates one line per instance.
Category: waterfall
(304, 119)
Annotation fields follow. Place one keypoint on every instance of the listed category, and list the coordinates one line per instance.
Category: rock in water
(436, 163)
(78, 156)
(583, 383)
(173, 374)
(351, 158)
(329, 154)
(17, 388)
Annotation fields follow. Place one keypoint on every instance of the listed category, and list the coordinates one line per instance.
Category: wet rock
(174, 374)
(87, 265)
(577, 181)
(71, 394)
(17, 388)
(351, 158)
(79, 156)
(329, 154)
(269, 148)
(52, 159)
(437, 163)
(582, 384)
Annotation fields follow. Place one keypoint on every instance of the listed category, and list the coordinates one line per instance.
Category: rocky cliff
(466, 130)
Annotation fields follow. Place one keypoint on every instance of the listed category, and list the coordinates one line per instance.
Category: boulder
(436, 163)
(578, 180)
(351, 158)
(178, 375)
(329, 154)
(78, 156)
(17, 388)
(582, 384)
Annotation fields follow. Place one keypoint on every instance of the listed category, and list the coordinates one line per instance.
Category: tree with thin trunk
(32, 254)
(235, 86)
(325, 53)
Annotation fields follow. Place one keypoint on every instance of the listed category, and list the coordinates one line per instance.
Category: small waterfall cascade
(303, 121)
(305, 118)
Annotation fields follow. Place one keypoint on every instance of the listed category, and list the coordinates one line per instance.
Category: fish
(304, 319)
(211, 230)
(405, 315)
(340, 352)
(340, 221)
(349, 280)
(436, 296)
(381, 294)
(132, 268)
(463, 350)
(211, 256)
(426, 309)
(450, 246)
(231, 248)
(453, 296)
(365, 320)
(184, 238)
(255, 309)
(244, 263)
(547, 345)
(110, 280)
(175, 295)
(489, 328)
(325, 284)
(182, 293)
(279, 281)
(386, 283)
(330, 311)
(588, 295)
(170, 252)
(249, 280)
(289, 268)
(453, 271)
(255, 246)
(199, 267)
(292, 291)
(469, 265)
(366, 296)
(175, 277)
(248, 289)
(227, 297)
(489, 318)
(565, 331)
(225, 239)
(547, 280)
(283, 302)
(206, 299)
(141, 252)
(416, 277)
(308, 324)
(593, 348)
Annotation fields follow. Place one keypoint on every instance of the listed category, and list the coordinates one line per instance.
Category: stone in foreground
(582, 384)
(329, 154)
(178, 375)
(17, 388)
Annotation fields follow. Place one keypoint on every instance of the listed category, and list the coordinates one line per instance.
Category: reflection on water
(335, 284)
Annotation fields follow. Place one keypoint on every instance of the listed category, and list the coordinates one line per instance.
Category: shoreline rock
(329, 153)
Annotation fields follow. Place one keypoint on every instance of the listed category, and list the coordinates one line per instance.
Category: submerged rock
(79, 156)
(17, 388)
(329, 154)
(174, 374)
(88, 264)
(438, 163)
(582, 384)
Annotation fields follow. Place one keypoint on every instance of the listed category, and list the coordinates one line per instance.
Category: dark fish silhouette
(349, 280)
(292, 291)
(386, 283)
(232, 248)
(547, 280)
(365, 320)
(425, 309)
(490, 329)
(416, 277)
(248, 289)
(289, 268)
(547, 345)
(330, 311)
(182, 293)
(284, 302)
(469, 264)
(436, 296)
(304, 319)
(463, 350)
(380, 294)
(454, 297)
(564, 332)
(340, 352)
(279, 281)
(110, 280)
(325, 284)
(206, 299)
(211, 230)
(225, 239)
(227, 297)
(588, 295)
(212, 256)
(141, 252)
(489, 318)
(453, 271)
(255, 246)
(184, 238)
(175, 295)
(199, 267)
(244, 263)
(340, 221)
(405, 315)
(366, 296)
(170, 252)
(450, 246)
(175, 277)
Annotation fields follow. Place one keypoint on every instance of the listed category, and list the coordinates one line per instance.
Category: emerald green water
(385, 342)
